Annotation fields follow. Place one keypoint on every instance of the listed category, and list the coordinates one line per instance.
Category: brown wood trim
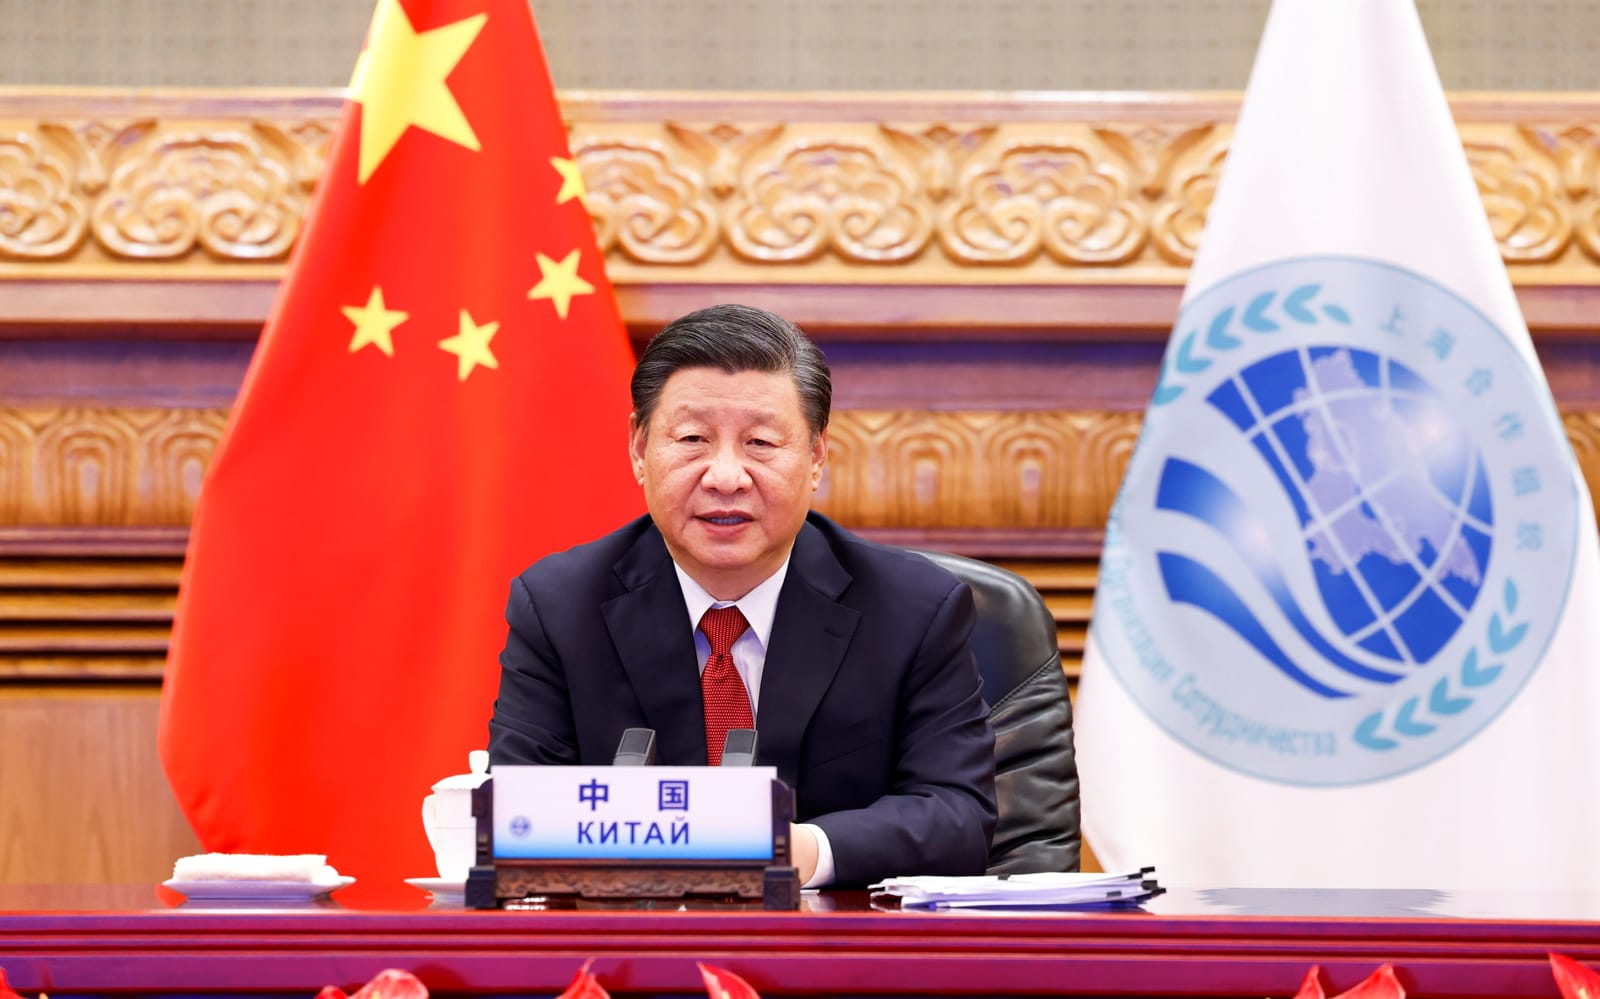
(234, 309)
(18, 542)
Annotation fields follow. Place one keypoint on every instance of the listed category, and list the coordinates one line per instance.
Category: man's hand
(803, 851)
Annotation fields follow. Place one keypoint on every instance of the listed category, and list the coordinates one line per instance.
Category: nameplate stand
(590, 833)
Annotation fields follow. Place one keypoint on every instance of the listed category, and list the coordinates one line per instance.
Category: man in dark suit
(732, 606)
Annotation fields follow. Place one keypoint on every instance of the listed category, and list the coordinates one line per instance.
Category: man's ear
(819, 457)
(636, 444)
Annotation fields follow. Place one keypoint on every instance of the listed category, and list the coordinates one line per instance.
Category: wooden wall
(992, 277)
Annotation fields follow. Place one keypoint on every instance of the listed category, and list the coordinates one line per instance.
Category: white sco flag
(1346, 626)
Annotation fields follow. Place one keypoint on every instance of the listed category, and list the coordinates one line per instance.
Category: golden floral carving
(304, 144)
(724, 149)
(99, 146)
(718, 186)
(807, 193)
(41, 216)
(1179, 222)
(938, 152)
(1520, 201)
(1152, 150)
(220, 190)
(1586, 224)
(825, 195)
(1573, 150)
(645, 204)
(1053, 196)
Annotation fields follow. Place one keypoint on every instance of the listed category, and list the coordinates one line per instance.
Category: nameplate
(633, 813)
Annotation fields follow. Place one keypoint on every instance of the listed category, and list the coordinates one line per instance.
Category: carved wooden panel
(1011, 470)
(157, 189)
(95, 466)
(761, 191)
(88, 466)
(142, 466)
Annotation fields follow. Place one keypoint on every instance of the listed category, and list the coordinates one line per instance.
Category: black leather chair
(1036, 770)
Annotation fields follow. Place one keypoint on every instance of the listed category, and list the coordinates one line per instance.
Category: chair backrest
(1036, 770)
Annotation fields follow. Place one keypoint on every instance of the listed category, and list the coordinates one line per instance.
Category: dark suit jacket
(870, 704)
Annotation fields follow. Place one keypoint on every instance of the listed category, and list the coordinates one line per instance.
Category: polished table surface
(138, 939)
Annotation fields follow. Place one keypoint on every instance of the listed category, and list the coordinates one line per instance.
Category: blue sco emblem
(1346, 534)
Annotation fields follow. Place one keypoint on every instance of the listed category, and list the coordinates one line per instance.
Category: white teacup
(447, 819)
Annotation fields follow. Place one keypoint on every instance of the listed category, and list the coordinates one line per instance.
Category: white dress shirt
(759, 607)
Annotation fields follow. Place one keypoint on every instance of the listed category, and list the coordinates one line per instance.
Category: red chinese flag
(439, 398)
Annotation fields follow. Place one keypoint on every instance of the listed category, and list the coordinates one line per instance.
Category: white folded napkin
(311, 868)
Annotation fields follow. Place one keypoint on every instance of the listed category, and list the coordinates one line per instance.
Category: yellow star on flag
(571, 179)
(374, 323)
(471, 346)
(400, 82)
(560, 282)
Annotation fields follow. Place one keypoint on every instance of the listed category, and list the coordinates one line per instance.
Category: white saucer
(263, 890)
(439, 887)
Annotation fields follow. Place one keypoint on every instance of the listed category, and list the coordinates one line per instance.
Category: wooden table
(75, 939)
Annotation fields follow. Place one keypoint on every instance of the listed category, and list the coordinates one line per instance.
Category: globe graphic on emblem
(1389, 488)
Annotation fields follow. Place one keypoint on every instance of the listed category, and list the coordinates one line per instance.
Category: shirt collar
(759, 606)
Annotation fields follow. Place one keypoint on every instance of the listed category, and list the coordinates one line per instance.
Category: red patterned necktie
(727, 702)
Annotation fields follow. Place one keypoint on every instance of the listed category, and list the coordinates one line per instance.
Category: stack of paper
(1021, 890)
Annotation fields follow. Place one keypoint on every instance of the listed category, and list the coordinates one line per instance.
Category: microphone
(739, 750)
(636, 749)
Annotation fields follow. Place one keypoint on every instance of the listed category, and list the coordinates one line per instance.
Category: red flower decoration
(725, 984)
(390, 983)
(584, 985)
(1573, 979)
(1381, 984)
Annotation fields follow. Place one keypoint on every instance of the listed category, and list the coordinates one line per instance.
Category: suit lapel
(810, 634)
(649, 625)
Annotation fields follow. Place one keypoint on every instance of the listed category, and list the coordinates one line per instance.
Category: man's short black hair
(735, 338)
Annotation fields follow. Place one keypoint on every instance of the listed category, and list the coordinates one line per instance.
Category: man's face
(728, 467)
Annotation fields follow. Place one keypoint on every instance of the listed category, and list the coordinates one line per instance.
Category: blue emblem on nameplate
(633, 813)
(1346, 535)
